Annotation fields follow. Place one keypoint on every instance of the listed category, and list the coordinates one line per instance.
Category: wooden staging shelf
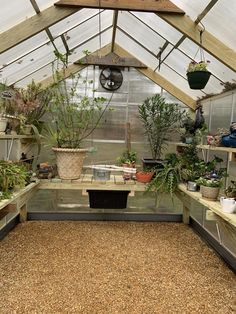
(115, 183)
(186, 196)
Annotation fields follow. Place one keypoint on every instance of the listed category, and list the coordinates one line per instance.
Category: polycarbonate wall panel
(136, 50)
(160, 26)
(43, 4)
(73, 20)
(14, 12)
(140, 32)
(38, 76)
(192, 8)
(89, 29)
(23, 48)
(220, 22)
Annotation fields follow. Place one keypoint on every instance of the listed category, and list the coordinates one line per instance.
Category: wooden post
(186, 214)
(23, 213)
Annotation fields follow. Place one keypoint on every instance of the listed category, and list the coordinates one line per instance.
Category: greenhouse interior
(118, 156)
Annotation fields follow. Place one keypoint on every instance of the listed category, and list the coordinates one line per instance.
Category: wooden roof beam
(33, 26)
(161, 81)
(134, 5)
(210, 43)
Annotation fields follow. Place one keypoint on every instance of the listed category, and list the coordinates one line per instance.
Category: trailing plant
(11, 175)
(166, 179)
(198, 66)
(159, 119)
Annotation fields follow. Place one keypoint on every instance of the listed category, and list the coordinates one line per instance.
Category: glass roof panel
(31, 62)
(192, 7)
(136, 50)
(160, 26)
(23, 48)
(43, 4)
(220, 22)
(215, 66)
(38, 76)
(12, 14)
(140, 32)
(87, 30)
(71, 21)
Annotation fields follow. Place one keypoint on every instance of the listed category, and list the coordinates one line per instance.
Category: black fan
(111, 78)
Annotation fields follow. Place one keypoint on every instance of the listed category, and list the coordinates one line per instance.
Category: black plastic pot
(108, 199)
(149, 163)
(198, 79)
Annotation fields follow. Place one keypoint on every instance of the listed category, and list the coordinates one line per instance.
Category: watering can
(228, 204)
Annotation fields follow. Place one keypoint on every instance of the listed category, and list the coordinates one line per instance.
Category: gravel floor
(111, 268)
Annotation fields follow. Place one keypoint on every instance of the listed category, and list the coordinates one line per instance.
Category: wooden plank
(111, 59)
(161, 81)
(210, 43)
(17, 195)
(33, 26)
(207, 147)
(114, 27)
(186, 214)
(124, 5)
(212, 205)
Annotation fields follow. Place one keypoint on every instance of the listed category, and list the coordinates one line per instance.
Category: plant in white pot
(74, 116)
(228, 201)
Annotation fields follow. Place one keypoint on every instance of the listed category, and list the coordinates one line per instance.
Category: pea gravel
(111, 268)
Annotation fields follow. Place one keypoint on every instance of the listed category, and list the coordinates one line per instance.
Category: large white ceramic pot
(69, 162)
(228, 205)
(3, 125)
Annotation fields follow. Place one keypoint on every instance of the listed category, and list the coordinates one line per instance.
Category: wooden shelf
(214, 206)
(207, 147)
(86, 181)
(14, 137)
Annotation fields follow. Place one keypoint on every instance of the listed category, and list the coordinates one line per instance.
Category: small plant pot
(108, 199)
(210, 193)
(144, 177)
(198, 79)
(192, 186)
(101, 175)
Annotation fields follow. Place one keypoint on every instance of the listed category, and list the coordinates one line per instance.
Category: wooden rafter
(33, 26)
(114, 24)
(161, 81)
(210, 43)
(111, 59)
(134, 5)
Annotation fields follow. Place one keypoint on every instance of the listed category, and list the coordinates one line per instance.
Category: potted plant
(197, 74)
(160, 119)
(128, 159)
(12, 176)
(168, 177)
(210, 187)
(74, 116)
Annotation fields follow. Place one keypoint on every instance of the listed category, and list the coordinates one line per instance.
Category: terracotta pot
(144, 177)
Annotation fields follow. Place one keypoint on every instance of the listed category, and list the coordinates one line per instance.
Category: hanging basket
(198, 79)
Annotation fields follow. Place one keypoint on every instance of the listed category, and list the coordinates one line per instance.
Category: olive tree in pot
(159, 119)
(74, 116)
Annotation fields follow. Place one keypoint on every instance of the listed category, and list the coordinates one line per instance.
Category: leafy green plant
(198, 66)
(11, 175)
(214, 183)
(74, 115)
(127, 157)
(168, 177)
(159, 119)
(230, 191)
